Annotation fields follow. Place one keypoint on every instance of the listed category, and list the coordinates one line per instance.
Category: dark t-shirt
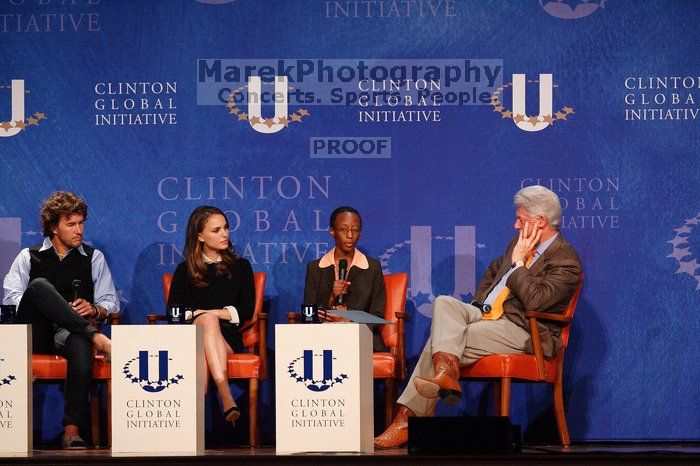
(237, 291)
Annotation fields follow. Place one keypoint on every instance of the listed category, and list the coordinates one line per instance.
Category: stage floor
(608, 454)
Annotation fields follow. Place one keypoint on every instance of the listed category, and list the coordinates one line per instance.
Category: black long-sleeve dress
(237, 291)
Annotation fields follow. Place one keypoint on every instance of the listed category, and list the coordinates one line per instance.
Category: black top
(237, 291)
(61, 273)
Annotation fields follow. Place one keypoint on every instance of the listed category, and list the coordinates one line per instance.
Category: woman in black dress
(219, 286)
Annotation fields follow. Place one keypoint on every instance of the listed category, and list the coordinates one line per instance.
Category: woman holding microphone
(345, 278)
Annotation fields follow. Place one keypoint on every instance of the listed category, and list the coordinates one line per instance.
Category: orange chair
(51, 368)
(502, 369)
(391, 365)
(251, 365)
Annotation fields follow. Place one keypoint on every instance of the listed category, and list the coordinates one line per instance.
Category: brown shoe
(445, 384)
(397, 433)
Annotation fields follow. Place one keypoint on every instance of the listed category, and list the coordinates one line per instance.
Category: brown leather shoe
(397, 433)
(445, 384)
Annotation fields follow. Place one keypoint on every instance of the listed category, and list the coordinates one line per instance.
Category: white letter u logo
(519, 101)
(255, 105)
(17, 108)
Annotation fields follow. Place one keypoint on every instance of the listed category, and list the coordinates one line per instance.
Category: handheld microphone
(76, 289)
(342, 273)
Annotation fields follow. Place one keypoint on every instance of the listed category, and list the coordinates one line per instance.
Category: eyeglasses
(345, 230)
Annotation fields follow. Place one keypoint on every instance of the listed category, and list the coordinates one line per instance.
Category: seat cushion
(54, 367)
(384, 365)
(515, 366)
(243, 366)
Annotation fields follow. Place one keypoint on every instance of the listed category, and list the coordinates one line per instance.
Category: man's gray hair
(538, 200)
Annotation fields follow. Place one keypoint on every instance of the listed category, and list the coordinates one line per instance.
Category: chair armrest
(403, 315)
(548, 316)
(293, 317)
(537, 346)
(262, 349)
(153, 318)
(113, 318)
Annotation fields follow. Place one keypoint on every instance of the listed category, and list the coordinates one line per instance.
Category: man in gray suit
(539, 271)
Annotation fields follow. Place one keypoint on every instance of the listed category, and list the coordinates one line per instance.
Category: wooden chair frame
(548, 371)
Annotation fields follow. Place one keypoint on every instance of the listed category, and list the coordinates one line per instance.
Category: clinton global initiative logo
(17, 122)
(256, 97)
(654, 98)
(357, 9)
(302, 370)
(683, 252)
(140, 365)
(36, 16)
(518, 113)
(135, 103)
(451, 258)
(571, 9)
(6, 379)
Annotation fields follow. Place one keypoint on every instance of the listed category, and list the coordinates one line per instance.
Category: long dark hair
(193, 247)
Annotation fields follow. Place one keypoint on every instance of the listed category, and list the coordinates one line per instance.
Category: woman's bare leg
(216, 351)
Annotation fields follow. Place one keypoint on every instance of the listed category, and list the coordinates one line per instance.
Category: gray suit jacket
(546, 287)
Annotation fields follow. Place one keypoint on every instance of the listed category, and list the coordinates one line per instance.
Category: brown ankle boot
(445, 384)
(397, 433)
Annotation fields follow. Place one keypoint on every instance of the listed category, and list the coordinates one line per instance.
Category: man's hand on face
(528, 238)
(83, 307)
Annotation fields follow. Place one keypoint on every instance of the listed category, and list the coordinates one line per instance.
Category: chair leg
(253, 415)
(389, 400)
(497, 397)
(109, 413)
(559, 411)
(95, 415)
(504, 408)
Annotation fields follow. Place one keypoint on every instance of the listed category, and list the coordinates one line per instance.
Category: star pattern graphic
(688, 267)
(314, 385)
(153, 385)
(679, 253)
(683, 234)
(296, 117)
(421, 298)
(506, 113)
(33, 119)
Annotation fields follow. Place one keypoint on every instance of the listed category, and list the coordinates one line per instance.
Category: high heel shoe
(232, 414)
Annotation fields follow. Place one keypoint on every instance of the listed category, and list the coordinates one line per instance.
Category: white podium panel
(324, 388)
(15, 388)
(158, 389)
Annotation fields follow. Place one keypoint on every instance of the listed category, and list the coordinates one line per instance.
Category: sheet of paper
(361, 317)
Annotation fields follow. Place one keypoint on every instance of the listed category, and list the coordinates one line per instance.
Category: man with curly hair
(57, 286)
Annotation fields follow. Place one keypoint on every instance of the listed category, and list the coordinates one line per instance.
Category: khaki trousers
(457, 329)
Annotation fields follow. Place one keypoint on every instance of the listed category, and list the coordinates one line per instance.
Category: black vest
(61, 273)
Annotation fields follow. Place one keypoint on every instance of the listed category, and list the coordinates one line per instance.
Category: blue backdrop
(139, 107)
